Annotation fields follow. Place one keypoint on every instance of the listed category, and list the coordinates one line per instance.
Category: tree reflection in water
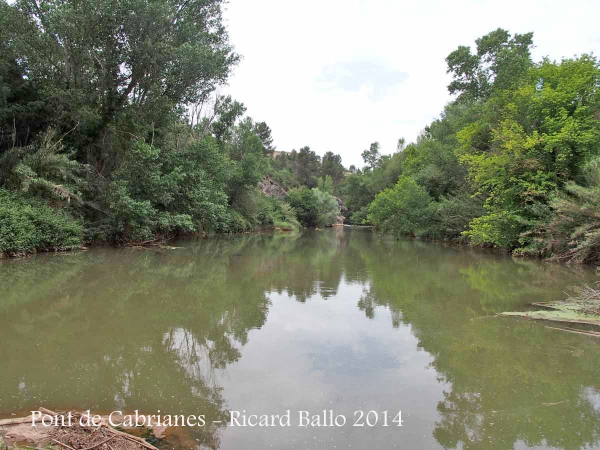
(156, 330)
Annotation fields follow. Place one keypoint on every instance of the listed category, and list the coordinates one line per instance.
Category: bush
(498, 229)
(454, 214)
(159, 192)
(360, 217)
(304, 203)
(314, 208)
(572, 232)
(285, 217)
(44, 168)
(278, 214)
(328, 208)
(405, 209)
(28, 225)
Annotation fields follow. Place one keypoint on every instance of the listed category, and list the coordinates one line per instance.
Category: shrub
(572, 233)
(498, 229)
(328, 208)
(453, 215)
(360, 217)
(405, 209)
(285, 217)
(313, 207)
(28, 225)
(304, 203)
(278, 214)
(158, 192)
(45, 168)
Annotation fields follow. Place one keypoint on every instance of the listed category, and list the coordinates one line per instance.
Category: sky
(337, 75)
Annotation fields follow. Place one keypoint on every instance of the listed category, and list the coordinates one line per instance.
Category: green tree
(541, 139)
(159, 193)
(325, 184)
(228, 112)
(499, 63)
(307, 167)
(403, 209)
(331, 165)
(112, 71)
(263, 131)
(372, 156)
(313, 207)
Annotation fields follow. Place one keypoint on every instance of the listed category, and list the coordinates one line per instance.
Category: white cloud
(339, 74)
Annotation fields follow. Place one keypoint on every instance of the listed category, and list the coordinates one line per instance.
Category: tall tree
(331, 165)
(118, 69)
(499, 62)
(263, 131)
(371, 156)
(307, 167)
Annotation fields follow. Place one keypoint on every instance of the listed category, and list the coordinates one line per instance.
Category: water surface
(338, 320)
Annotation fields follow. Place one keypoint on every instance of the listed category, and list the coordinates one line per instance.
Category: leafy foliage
(165, 192)
(43, 167)
(540, 141)
(28, 225)
(103, 111)
(504, 166)
(313, 207)
(403, 209)
(573, 230)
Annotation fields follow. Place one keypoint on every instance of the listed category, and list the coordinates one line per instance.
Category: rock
(272, 189)
(343, 208)
(25, 433)
(339, 220)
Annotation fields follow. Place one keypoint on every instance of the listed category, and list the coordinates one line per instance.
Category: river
(340, 320)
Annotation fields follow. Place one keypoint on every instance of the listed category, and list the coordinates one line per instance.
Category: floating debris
(582, 308)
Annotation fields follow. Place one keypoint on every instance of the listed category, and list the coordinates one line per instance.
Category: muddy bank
(78, 432)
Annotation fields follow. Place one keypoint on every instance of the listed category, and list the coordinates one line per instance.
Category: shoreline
(164, 243)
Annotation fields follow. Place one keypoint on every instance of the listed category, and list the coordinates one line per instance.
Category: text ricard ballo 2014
(300, 418)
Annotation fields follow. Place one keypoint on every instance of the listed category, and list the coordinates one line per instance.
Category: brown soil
(19, 432)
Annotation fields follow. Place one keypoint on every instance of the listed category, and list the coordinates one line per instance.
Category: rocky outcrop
(272, 189)
(339, 220)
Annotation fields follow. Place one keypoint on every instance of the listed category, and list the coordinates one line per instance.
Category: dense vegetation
(513, 162)
(111, 131)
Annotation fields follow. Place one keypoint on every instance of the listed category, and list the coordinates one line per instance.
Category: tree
(111, 71)
(371, 156)
(331, 165)
(542, 139)
(228, 112)
(263, 131)
(499, 63)
(401, 145)
(325, 184)
(165, 192)
(313, 206)
(307, 166)
(403, 209)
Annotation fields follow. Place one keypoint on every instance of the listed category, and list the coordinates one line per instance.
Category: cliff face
(271, 189)
(339, 220)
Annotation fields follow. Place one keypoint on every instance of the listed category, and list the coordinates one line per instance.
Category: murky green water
(336, 320)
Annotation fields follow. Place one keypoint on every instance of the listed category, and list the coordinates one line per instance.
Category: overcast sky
(339, 74)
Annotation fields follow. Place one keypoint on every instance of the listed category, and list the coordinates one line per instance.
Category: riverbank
(73, 430)
(498, 250)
